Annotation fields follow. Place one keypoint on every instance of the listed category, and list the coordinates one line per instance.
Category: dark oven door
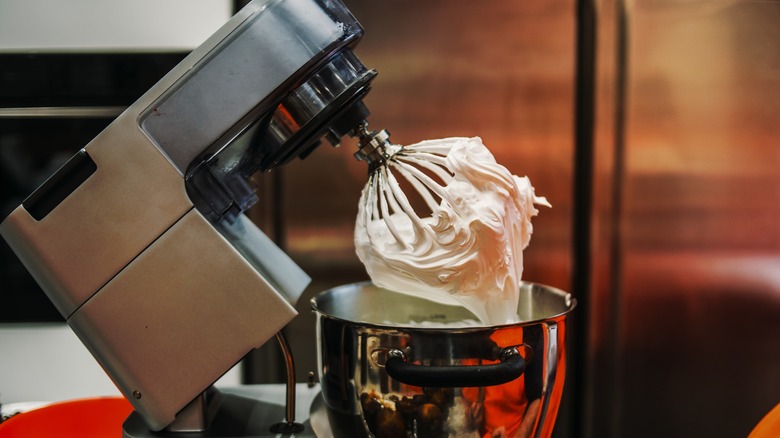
(52, 105)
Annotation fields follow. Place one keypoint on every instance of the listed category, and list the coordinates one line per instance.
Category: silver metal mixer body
(140, 240)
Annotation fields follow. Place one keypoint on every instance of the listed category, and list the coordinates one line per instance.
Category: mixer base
(243, 412)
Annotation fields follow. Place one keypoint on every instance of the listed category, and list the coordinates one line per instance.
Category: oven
(52, 105)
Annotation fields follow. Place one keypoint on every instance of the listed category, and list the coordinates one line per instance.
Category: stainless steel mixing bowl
(393, 365)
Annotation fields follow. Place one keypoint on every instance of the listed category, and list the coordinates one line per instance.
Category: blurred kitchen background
(652, 127)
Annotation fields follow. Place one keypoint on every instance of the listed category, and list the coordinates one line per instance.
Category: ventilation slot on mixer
(49, 195)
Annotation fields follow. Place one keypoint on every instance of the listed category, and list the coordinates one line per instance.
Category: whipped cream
(469, 251)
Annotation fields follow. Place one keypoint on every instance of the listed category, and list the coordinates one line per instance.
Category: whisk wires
(420, 171)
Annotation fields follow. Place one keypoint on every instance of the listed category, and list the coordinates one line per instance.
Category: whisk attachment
(372, 147)
(442, 220)
(406, 179)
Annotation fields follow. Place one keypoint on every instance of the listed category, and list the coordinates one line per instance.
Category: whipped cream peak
(469, 250)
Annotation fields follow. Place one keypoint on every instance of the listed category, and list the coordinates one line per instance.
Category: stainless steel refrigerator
(653, 128)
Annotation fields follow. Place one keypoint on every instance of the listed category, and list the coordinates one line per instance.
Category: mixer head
(328, 103)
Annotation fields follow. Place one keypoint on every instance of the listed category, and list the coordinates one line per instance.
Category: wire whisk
(442, 220)
(423, 168)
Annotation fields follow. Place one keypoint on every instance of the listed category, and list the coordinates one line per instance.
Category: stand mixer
(140, 239)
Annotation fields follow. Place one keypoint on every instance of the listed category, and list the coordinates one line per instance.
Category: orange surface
(84, 418)
(769, 427)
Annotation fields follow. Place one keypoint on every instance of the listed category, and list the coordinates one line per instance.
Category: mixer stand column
(289, 426)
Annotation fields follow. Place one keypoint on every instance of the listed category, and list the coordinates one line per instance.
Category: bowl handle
(510, 367)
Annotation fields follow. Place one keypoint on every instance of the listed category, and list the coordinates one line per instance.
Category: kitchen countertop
(269, 410)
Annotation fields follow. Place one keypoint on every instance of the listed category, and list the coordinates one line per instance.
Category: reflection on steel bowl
(393, 365)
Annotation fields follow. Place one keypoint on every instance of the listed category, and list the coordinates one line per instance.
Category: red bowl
(83, 418)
